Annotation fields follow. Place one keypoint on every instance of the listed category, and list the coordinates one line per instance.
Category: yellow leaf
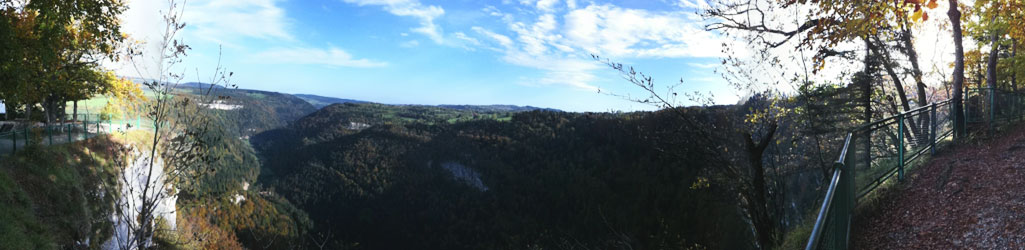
(917, 16)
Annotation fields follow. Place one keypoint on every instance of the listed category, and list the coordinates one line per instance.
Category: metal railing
(84, 126)
(873, 153)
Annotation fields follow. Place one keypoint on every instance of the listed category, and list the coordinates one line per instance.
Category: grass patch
(797, 237)
(21, 228)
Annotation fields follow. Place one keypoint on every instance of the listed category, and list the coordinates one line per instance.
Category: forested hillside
(248, 112)
(541, 179)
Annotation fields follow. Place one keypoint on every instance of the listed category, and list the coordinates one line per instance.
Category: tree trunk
(916, 70)
(1014, 65)
(916, 73)
(761, 218)
(991, 75)
(991, 63)
(958, 80)
(871, 66)
(914, 132)
(74, 110)
(47, 109)
(28, 112)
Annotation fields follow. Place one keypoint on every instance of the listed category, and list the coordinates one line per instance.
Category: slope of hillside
(248, 112)
(536, 180)
(324, 101)
(53, 197)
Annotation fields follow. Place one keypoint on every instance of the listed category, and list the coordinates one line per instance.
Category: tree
(178, 152)
(958, 75)
(55, 48)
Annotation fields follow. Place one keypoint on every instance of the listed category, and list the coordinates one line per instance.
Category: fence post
(900, 147)
(14, 138)
(992, 109)
(69, 131)
(49, 134)
(964, 113)
(932, 134)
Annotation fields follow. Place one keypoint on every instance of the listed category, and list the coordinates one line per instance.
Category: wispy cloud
(693, 4)
(535, 37)
(704, 65)
(224, 21)
(409, 44)
(330, 57)
(619, 32)
(411, 8)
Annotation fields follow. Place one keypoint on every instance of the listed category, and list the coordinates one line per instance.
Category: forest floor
(970, 196)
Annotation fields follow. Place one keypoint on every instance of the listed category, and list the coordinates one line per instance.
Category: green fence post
(932, 134)
(14, 138)
(26, 136)
(992, 109)
(69, 132)
(49, 134)
(900, 147)
(85, 128)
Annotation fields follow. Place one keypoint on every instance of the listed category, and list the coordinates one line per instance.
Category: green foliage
(110, 112)
(211, 204)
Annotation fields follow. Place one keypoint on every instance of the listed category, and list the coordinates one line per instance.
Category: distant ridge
(323, 101)
(497, 108)
(320, 102)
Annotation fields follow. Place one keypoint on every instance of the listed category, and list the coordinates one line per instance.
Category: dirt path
(971, 196)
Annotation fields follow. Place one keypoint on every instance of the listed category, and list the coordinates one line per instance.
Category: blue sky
(453, 52)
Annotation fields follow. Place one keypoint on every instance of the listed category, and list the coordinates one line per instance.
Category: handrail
(894, 117)
(841, 183)
(832, 224)
(820, 220)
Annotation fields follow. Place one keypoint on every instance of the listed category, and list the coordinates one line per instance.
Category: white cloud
(226, 20)
(537, 39)
(618, 32)
(692, 4)
(409, 44)
(411, 8)
(467, 39)
(330, 57)
(503, 40)
(547, 5)
(705, 65)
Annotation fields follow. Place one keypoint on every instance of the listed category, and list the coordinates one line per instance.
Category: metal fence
(875, 153)
(20, 135)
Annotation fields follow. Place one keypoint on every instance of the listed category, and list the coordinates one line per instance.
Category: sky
(520, 52)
